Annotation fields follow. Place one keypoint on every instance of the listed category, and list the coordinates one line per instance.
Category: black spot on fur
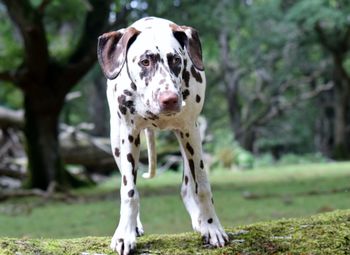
(121, 100)
(210, 221)
(186, 74)
(133, 86)
(122, 109)
(198, 98)
(154, 125)
(182, 135)
(127, 92)
(122, 141)
(191, 165)
(186, 179)
(131, 160)
(137, 141)
(121, 240)
(148, 72)
(151, 115)
(201, 164)
(185, 94)
(134, 173)
(130, 138)
(196, 74)
(212, 200)
(125, 182)
(129, 104)
(124, 104)
(116, 152)
(131, 193)
(190, 149)
(187, 134)
(175, 68)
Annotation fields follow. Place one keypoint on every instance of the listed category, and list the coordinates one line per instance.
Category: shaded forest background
(278, 81)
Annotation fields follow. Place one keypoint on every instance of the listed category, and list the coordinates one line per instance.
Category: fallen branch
(11, 118)
(48, 194)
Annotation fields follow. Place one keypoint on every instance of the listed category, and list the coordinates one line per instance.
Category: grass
(240, 198)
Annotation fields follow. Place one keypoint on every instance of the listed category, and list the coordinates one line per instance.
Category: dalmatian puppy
(155, 80)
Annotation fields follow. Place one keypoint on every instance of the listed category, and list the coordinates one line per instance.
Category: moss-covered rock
(327, 233)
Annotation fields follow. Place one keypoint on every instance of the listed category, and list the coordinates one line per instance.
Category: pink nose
(169, 101)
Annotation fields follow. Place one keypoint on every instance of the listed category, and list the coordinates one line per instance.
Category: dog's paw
(139, 228)
(139, 231)
(124, 245)
(214, 235)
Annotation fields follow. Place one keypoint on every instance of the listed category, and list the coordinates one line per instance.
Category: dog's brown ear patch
(188, 38)
(112, 48)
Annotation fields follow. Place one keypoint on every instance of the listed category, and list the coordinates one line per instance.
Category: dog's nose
(169, 101)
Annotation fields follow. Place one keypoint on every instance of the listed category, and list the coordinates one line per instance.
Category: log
(11, 118)
(80, 148)
(326, 233)
(77, 147)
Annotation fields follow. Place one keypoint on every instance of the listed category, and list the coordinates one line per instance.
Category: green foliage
(332, 13)
(267, 159)
(11, 51)
(64, 22)
(9, 96)
(227, 152)
(273, 43)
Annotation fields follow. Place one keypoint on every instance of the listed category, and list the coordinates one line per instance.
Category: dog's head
(156, 54)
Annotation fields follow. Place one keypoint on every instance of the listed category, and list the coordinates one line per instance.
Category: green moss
(327, 233)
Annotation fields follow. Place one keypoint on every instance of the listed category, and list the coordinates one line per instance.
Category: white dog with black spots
(155, 80)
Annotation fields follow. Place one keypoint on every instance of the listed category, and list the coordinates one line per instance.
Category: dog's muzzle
(169, 102)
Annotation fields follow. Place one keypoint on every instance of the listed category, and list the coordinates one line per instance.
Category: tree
(326, 23)
(45, 74)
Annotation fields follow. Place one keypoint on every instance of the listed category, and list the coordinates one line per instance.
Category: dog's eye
(176, 60)
(145, 62)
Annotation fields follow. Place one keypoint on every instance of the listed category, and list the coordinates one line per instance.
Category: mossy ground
(327, 233)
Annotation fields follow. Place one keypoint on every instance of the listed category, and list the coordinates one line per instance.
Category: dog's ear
(188, 38)
(112, 48)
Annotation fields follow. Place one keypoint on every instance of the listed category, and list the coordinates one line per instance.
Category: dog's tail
(152, 155)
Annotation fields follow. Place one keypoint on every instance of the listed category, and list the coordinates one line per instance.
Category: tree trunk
(341, 148)
(247, 139)
(41, 131)
(341, 108)
(98, 110)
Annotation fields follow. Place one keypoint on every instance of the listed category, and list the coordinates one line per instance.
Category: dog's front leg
(124, 238)
(196, 191)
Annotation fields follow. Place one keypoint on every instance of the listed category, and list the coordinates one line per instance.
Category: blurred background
(275, 126)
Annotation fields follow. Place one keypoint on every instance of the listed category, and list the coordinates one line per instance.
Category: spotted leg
(129, 227)
(196, 191)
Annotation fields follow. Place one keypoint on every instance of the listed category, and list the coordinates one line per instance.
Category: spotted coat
(157, 82)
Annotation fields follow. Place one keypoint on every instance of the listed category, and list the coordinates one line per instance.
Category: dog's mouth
(173, 110)
(165, 111)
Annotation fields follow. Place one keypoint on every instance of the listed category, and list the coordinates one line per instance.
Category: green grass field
(240, 198)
